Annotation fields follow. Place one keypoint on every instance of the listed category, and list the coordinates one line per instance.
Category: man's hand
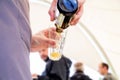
(44, 39)
(76, 17)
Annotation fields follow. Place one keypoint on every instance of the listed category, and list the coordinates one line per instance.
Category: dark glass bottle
(66, 8)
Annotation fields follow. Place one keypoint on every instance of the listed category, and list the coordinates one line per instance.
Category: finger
(48, 32)
(53, 29)
(79, 12)
(52, 14)
(53, 35)
(77, 16)
(50, 42)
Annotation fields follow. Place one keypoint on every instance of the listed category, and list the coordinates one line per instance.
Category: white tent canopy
(94, 39)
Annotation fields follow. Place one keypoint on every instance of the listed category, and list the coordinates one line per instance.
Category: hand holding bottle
(76, 17)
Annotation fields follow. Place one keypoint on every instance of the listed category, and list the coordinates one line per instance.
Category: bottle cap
(70, 5)
(67, 6)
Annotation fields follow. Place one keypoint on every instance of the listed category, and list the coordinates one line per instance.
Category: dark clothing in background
(80, 76)
(57, 70)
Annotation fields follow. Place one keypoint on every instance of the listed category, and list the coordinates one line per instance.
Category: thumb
(52, 15)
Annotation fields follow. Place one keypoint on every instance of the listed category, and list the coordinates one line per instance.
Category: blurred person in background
(79, 72)
(103, 70)
(54, 70)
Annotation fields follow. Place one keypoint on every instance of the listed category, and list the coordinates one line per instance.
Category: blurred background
(95, 39)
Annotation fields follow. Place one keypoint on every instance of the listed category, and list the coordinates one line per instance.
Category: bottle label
(60, 20)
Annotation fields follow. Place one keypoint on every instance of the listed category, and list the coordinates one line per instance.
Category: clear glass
(56, 52)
